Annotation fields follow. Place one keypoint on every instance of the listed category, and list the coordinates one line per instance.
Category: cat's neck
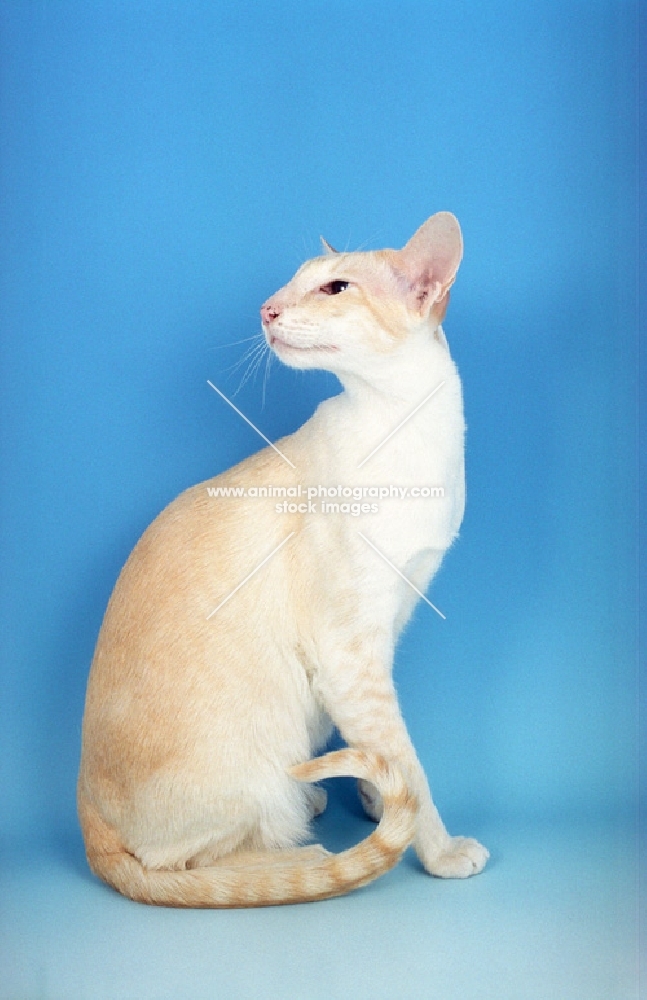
(396, 379)
(414, 393)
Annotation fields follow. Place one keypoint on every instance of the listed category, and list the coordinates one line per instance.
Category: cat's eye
(334, 287)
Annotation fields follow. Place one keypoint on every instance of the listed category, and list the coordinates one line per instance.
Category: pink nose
(268, 313)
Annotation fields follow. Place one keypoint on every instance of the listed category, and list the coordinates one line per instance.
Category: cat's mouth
(279, 344)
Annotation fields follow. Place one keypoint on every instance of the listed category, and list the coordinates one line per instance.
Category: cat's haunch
(242, 629)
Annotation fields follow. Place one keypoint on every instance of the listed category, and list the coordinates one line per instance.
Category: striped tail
(273, 878)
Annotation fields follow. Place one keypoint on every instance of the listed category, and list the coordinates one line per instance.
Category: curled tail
(274, 877)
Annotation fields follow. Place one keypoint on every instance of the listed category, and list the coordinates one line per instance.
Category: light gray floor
(553, 917)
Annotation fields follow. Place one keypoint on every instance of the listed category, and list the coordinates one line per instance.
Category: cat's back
(203, 528)
(195, 552)
(161, 652)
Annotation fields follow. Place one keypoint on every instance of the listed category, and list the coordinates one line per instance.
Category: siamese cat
(242, 630)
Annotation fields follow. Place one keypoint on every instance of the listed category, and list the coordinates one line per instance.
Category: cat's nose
(269, 313)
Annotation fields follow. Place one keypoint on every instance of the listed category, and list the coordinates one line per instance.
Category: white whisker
(268, 365)
(234, 343)
(246, 356)
(254, 364)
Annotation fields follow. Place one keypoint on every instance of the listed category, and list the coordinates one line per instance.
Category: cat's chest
(399, 474)
(421, 495)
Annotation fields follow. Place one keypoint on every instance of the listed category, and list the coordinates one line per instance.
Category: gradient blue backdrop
(164, 168)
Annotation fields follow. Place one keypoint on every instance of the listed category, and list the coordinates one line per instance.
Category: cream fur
(194, 722)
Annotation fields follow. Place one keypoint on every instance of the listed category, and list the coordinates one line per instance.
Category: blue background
(164, 168)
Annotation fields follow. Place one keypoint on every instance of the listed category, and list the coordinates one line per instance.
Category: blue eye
(334, 287)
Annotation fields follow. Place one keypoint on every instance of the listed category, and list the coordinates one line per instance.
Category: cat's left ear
(326, 247)
(429, 263)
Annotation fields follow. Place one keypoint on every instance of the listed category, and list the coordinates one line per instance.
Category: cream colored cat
(195, 783)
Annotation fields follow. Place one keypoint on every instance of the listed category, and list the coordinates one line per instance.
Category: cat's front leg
(463, 856)
(357, 689)
(441, 854)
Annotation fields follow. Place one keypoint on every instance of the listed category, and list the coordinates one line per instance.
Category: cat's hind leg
(317, 799)
(280, 824)
(370, 799)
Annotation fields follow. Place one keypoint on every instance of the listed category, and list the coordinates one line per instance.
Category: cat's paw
(371, 799)
(317, 799)
(461, 858)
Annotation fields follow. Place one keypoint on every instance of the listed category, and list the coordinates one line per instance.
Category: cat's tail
(276, 877)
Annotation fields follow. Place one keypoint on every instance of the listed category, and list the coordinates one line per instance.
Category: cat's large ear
(429, 262)
(327, 249)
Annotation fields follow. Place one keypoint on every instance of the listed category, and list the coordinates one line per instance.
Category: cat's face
(342, 309)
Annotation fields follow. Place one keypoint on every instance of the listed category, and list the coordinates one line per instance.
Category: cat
(242, 630)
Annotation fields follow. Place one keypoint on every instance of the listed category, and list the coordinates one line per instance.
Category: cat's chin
(278, 342)
(295, 355)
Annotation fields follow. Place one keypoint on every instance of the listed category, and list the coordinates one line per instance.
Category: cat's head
(343, 308)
